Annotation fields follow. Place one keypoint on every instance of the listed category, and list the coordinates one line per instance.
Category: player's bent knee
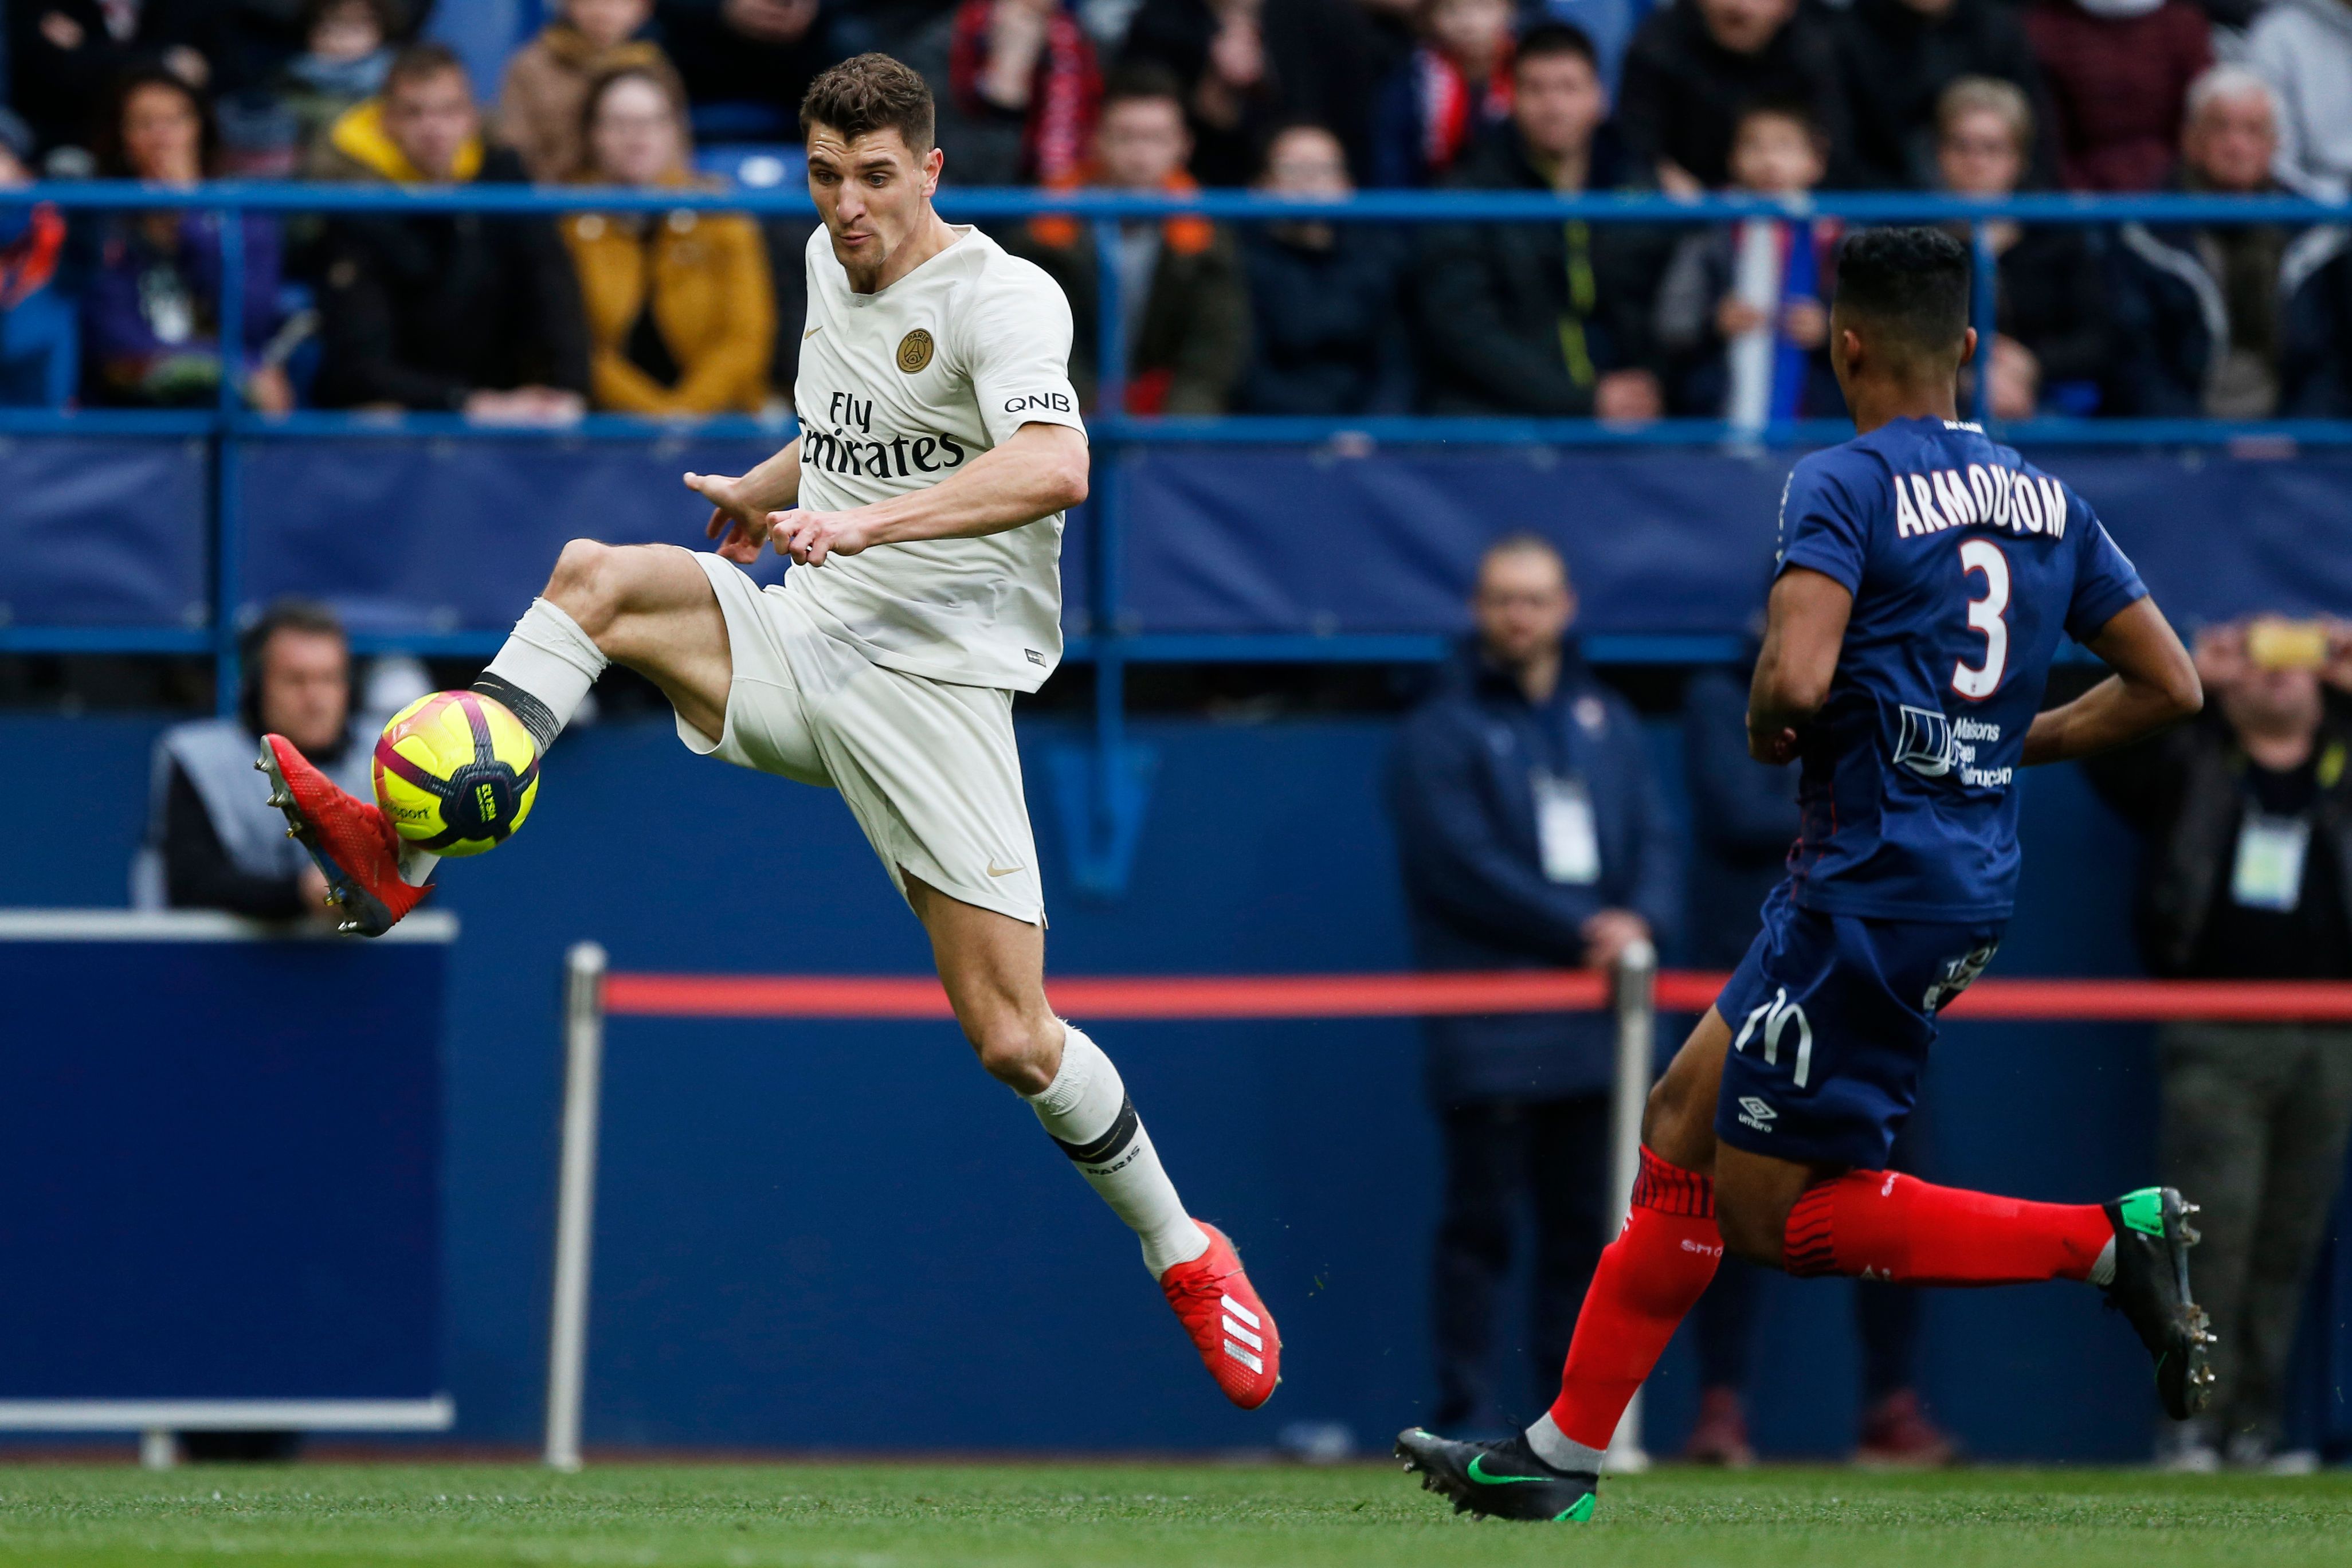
(587, 584)
(1677, 1125)
(1015, 1054)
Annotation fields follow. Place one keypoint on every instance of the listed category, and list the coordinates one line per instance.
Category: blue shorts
(1830, 1019)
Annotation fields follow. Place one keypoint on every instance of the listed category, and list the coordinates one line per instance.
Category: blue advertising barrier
(222, 1150)
(1250, 542)
(443, 537)
(104, 534)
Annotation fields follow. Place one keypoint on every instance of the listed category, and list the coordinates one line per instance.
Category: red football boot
(1229, 1326)
(356, 849)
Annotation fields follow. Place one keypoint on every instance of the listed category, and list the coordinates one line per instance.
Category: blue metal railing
(1108, 644)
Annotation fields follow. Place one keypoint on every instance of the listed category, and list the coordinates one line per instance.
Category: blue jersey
(1967, 564)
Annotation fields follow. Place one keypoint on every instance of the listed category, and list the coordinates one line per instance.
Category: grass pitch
(1142, 1516)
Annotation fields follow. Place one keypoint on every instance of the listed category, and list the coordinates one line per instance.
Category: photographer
(2247, 813)
(214, 842)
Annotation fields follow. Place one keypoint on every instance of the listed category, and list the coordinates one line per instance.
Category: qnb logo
(1047, 402)
(1754, 1112)
(1775, 1016)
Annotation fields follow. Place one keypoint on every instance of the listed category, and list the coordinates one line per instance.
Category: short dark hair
(872, 93)
(421, 62)
(1141, 83)
(1911, 283)
(1777, 106)
(308, 617)
(1550, 38)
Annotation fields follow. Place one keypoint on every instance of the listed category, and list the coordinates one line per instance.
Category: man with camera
(2247, 817)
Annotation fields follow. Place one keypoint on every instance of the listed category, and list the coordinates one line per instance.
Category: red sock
(1652, 1275)
(1889, 1226)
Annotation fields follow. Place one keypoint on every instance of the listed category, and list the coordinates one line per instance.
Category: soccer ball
(455, 773)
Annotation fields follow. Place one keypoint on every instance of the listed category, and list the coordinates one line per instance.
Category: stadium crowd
(683, 314)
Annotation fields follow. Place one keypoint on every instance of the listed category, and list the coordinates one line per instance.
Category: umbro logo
(1241, 1326)
(1754, 1113)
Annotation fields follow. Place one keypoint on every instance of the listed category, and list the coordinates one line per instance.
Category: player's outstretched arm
(741, 506)
(1804, 625)
(2153, 685)
(1040, 471)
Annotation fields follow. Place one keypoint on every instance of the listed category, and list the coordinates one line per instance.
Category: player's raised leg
(1648, 1279)
(994, 967)
(648, 607)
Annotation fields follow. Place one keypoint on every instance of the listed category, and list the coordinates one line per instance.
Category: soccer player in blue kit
(1926, 576)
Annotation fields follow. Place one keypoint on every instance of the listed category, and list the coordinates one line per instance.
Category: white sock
(1560, 1451)
(542, 675)
(1087, 1111)
(2102, 1270)
(544, 671)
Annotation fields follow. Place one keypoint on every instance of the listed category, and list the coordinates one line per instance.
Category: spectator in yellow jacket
(681, 313)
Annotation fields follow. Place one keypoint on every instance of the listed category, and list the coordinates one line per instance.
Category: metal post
(1105, 874)
(228, 531)
(575, 1200)
(1110, 324)
(1637, 1018)
(1984, 300)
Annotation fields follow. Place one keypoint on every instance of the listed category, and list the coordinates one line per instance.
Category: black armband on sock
(534, 714)
(1112, 1143)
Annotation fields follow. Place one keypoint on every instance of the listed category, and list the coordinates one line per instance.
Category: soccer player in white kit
(922, 507)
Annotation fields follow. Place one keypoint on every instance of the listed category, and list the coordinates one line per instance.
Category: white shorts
(928, 768)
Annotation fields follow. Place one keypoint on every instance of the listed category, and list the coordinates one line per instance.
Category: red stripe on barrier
(1424, 996)
(1106, 996)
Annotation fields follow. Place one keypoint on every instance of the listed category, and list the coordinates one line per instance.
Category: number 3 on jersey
(1985, 616)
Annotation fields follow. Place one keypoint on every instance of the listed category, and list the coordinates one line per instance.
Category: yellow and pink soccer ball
(455, 773)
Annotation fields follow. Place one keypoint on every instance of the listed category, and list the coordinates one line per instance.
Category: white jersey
(898, 389)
